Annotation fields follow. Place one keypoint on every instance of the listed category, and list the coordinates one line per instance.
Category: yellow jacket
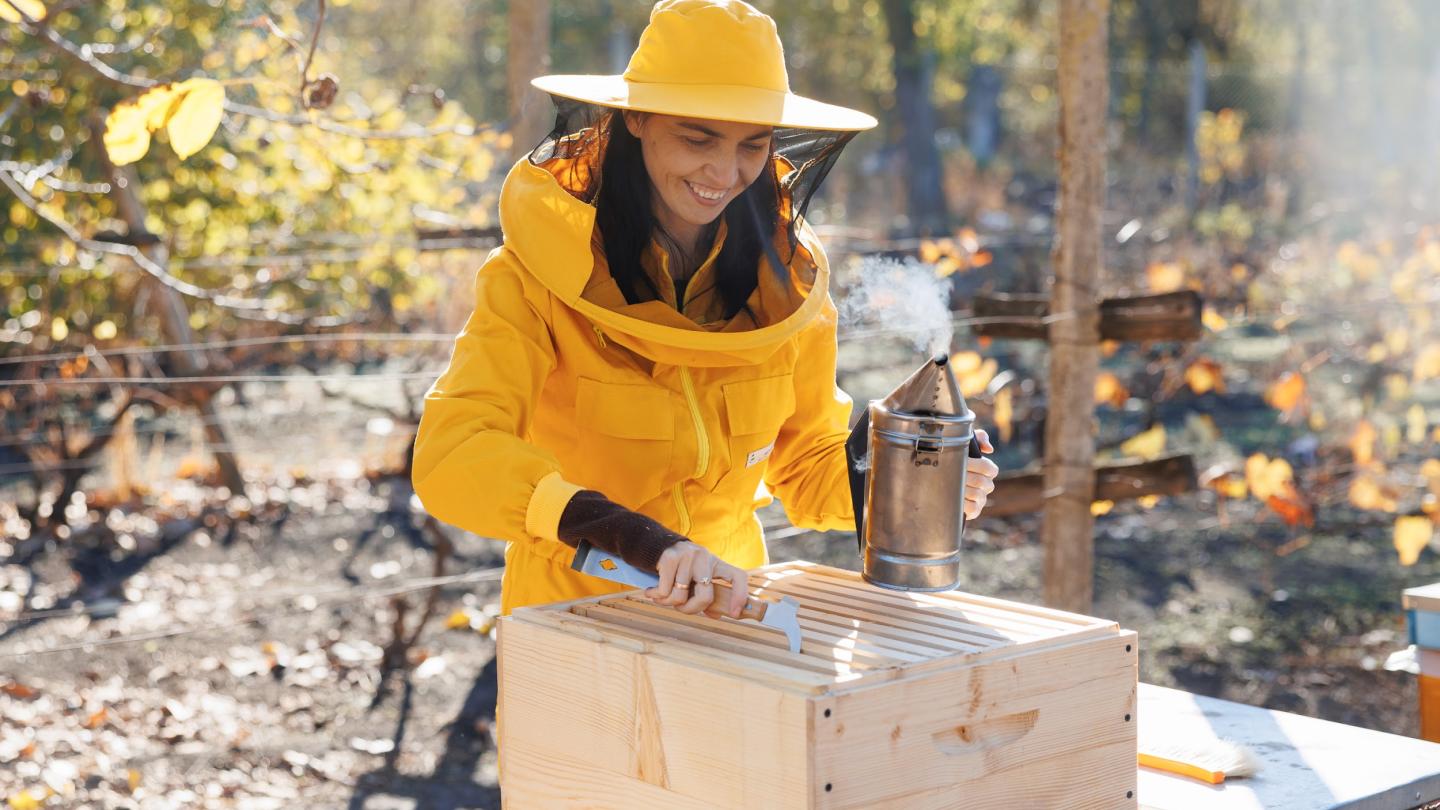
(556, 384)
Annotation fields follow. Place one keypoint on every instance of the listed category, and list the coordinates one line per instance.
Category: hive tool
(782, 615)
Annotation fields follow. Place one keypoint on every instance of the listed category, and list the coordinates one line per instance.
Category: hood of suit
(550, 229)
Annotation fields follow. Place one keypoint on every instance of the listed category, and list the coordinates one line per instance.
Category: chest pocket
(754, 413)
(627, 433)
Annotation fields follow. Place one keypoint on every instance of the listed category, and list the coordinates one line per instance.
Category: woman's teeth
(705, 193)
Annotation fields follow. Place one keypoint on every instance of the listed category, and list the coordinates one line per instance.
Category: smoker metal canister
(918, 452)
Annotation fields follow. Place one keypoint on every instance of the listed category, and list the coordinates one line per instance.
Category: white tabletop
(1305, 764)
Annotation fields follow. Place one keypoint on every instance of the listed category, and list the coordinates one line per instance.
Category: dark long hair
(626, 220)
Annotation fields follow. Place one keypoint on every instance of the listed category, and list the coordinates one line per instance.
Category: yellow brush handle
(1182, 769)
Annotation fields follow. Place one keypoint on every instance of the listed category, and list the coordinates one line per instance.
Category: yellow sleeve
(807, 470)
(472, 468)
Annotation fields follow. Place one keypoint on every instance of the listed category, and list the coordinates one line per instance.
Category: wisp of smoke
(902, 297)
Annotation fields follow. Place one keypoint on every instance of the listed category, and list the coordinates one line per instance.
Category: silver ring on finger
(703, 581)
(682, 586)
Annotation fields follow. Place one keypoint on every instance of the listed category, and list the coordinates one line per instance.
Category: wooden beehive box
(896, 700)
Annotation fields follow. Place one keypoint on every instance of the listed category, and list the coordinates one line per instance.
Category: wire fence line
(378, 337)
(233, 419)
(347, 596)
(223, 378)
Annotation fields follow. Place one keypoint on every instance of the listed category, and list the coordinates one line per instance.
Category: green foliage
(312, 210)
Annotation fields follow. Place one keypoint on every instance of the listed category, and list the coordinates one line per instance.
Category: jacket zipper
(600, 336)
(702, 454)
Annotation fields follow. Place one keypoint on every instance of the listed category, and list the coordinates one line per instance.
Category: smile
(707, 196)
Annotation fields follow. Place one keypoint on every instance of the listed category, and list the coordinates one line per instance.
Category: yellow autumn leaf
(34, 798)
(1287, 392)
(1427, 364)
(195, 116)
(1098, 508)
(1148, 444)
(1431, 471)
(1164, 276)
(1266, 476)
(1205, 375)
(1213, 320)
(1412, 535)
(157, 103)
(1148, 501)
(457, 620)
(1367, 493)
(126, 138)
(973, 383)
(1108, 389)
(34, 9)
(1004, 413)
(946, 266)
(1362, 442)
(929, 251)
(965, 362)
(1231, 486)
(1416, 424)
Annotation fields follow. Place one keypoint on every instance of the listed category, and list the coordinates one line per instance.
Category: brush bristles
(1223, 756)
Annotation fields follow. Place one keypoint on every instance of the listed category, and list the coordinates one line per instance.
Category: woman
(652, 351)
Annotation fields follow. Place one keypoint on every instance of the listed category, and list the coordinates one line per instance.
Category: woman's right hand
(687, 575)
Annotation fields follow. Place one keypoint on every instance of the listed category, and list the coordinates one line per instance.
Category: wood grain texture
(1001, 729)
(712, 737)
(1172, 316)
(898, 700)
(1023, 491)
(1067, 530)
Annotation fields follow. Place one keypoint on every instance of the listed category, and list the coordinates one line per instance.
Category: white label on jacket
(759, 455)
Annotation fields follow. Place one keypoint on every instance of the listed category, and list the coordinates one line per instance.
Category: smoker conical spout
(931, 390)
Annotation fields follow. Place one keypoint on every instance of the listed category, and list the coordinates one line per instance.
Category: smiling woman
(672, 180)
(652, 350)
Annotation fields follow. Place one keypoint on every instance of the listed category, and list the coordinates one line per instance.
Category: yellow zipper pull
(599, 335)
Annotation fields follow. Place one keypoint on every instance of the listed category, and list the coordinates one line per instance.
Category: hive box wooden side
(599, 721)
(1044, 728)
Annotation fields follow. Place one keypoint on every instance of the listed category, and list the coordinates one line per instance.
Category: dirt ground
(246, 673)
(187, 664)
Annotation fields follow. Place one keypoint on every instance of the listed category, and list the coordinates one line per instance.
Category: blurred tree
(294, 196)
(914, 68)
(529, 56)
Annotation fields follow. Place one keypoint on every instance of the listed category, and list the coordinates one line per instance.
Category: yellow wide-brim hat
(719, 59)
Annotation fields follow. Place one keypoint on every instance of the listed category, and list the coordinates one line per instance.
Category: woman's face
(697, 165)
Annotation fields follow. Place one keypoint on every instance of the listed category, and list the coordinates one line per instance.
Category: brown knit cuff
(608, 526)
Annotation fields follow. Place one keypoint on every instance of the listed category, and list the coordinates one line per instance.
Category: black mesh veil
(807, 156)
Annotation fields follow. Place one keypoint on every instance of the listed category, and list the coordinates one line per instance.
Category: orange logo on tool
(608, 564)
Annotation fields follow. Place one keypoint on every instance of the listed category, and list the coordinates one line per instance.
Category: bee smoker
(908, 455)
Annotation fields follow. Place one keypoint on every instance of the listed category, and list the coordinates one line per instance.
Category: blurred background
(238, 237)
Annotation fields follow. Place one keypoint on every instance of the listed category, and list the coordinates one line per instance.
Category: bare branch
(242, 306)
(310, 57)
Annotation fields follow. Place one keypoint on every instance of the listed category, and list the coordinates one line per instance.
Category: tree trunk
(1194, 106)
(529, 56)
(914, 71)
(1068, 527)
(169, 308)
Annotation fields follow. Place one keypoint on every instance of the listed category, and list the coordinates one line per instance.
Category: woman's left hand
(979, 478)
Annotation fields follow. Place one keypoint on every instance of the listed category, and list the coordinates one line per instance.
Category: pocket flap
(759, 406)
(624, 410)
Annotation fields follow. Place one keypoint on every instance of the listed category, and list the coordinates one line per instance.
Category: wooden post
(528, 57)
(1068, 527)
